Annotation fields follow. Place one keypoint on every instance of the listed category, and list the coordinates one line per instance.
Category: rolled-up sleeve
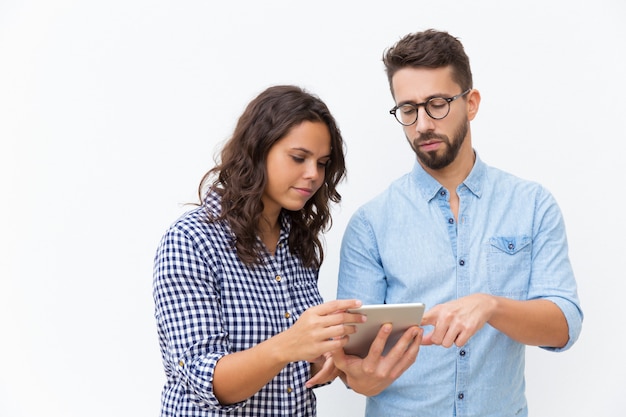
(189, 319)
(553, 277)
(361, 274)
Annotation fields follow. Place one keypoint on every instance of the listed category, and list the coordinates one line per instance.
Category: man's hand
(531, 322)
(323, 371)
(455, 322)
(372, 374)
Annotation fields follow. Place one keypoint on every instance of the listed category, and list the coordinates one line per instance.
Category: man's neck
(454, 174)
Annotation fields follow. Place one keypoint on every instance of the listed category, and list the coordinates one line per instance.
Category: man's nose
(424, 122)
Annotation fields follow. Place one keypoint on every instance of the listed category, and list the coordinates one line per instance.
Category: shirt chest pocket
(304, 291)
(509, 265)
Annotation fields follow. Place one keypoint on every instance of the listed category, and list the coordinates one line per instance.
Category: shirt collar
(285, 225)
(428, 187)
(475, 181)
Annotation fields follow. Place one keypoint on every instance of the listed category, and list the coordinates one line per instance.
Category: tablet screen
(401, 316)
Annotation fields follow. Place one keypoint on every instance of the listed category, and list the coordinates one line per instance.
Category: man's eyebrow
(436, 95)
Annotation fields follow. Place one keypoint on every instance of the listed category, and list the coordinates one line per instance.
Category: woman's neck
(269, 231)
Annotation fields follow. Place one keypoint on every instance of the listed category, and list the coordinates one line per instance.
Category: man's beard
(432, 159)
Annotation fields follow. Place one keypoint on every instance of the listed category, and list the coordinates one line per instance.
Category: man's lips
(429, 145)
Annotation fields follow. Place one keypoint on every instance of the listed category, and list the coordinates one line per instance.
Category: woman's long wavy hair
(240, 175)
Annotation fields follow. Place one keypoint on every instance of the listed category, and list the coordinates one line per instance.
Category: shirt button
(442, 193)
(511, 246)
(278, 278)
(450, 220)
(181, 363)
(462, 353)
(287, 315)
(461, 262)
(289, 390)
(460, 396)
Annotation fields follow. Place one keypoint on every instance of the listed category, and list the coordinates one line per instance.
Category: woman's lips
(306, 192)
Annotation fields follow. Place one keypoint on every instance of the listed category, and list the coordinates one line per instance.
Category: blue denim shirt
(406, 246)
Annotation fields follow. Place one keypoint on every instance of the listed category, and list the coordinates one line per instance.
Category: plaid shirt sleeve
(209, 304)
(189, 316)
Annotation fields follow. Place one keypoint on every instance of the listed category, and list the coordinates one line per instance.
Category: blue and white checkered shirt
(209, 304)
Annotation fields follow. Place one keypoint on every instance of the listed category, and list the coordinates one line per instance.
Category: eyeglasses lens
(437, 108)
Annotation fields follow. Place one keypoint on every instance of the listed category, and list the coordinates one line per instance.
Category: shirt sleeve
(552, 275)
(361, 274)
(189, 316)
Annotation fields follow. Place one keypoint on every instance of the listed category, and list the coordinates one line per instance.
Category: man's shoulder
(388, 196)
(500, 177)
(504, 186)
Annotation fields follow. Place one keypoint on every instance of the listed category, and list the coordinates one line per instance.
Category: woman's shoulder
(200, 223)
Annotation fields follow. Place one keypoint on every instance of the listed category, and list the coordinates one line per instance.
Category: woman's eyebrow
(308, 152)
(305, 150)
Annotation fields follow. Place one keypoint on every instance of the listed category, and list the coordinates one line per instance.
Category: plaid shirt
(209, 304)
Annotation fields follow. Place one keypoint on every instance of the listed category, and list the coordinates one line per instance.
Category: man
(484, 250)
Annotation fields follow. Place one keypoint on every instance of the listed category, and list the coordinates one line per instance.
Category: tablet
(401, 316)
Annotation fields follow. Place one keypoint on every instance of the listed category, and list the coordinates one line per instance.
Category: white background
(111, 111)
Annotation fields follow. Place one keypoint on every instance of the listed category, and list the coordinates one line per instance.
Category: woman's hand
(319, 330)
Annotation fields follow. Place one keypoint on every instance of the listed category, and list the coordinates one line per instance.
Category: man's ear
(473, 102)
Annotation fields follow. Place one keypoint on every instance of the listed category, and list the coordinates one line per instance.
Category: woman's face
(296, 166)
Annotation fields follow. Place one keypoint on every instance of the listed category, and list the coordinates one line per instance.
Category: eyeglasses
(436, 107)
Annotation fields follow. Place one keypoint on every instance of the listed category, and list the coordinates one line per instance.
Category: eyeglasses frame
(425, 104)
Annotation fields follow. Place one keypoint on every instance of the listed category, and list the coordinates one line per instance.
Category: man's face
(435, 142)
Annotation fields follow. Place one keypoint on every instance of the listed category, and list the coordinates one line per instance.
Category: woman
(241, 323)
